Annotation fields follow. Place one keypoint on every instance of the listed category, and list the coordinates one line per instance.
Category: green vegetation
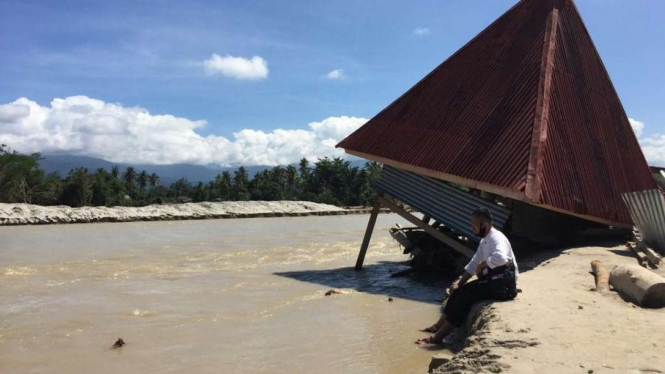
(330, 181)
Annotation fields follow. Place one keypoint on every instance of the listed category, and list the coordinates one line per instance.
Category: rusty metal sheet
(647, 208)
(439, 200)
(474, 116)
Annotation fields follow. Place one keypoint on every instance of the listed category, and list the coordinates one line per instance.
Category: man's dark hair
(483, 214)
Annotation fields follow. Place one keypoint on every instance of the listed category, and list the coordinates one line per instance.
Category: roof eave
(487, 187)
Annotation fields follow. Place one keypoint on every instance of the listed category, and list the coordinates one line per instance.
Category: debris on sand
(118, 344)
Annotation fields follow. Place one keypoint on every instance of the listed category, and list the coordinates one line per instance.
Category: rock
(332, 292)
(390, 299)
(439, 359)
(118, 344)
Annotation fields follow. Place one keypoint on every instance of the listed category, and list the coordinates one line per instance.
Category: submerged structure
(524, 113)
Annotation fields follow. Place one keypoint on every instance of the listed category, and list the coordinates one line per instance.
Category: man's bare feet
(432, 329)
(428, 340)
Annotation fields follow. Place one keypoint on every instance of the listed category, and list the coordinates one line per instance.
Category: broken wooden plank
(641, 257)
(429, 229)
(653, 258)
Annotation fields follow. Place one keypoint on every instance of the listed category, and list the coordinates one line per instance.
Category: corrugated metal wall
(647, 208)
(439, 200)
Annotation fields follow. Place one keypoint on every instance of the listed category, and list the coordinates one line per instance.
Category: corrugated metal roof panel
(647, 208)
(439, 200)
(591, 156)
(474, 117)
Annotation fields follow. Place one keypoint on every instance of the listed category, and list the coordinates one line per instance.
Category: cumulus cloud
(84, 126)
(421, 31)
(335, 74)
(653, 146)
(637, 126)
(654, 149)
(241, 68)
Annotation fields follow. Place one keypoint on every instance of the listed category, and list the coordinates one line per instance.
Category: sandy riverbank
(558, 325)
(26, 214)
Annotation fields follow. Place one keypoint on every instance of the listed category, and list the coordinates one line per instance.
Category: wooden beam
(653, 257)
(428, 229)
(368, 232)
(533, 189)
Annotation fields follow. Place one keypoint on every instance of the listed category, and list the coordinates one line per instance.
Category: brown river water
(215, 296)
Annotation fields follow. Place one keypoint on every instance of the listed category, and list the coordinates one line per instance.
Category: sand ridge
(26, 214)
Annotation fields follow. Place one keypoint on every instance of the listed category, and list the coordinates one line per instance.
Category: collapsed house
(523, 120)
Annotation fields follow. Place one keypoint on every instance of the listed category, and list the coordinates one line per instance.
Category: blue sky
(150, 54)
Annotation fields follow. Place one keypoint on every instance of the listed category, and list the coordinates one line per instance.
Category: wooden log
(601, 276)
(643, 286)
(429, 229)
(368, 232)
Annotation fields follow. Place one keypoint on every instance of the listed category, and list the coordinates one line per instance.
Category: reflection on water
(208, 297)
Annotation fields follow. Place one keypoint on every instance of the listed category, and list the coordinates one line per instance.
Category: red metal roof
(527, 107)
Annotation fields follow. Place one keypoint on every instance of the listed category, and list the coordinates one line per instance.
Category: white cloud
(654, 149)
(421, 31)
(637, 126)
(653, 146)
(336, 74)
(237, 67)
(85, 126)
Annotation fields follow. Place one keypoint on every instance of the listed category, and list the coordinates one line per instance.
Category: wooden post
(368, 232)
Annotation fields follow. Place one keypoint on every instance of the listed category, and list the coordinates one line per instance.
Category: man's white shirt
(495, 250)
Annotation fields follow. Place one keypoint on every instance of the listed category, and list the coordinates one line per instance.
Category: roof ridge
(532, 189)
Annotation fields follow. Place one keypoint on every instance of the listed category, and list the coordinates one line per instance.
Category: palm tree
(153, 179)
(304, 170)
(128, 176)
(115, 171)
(143, 180)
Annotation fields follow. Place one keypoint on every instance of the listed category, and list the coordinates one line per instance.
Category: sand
(26, 214)
(559, 325)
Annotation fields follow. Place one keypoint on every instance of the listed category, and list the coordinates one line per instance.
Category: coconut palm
(153, 179)
(129, 176)
(142, 180)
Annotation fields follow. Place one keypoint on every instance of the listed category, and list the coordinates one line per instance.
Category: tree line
(330, 181)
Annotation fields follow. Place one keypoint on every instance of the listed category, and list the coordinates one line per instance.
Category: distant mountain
(167, 173)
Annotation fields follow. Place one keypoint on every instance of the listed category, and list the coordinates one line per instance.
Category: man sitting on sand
(496, 268)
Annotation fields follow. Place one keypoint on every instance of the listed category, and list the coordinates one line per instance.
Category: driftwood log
(643, 286)
(601, 276)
